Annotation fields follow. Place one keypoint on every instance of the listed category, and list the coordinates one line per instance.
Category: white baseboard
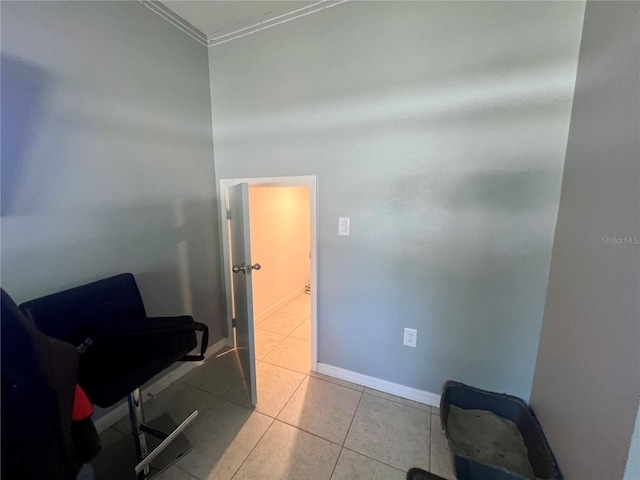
(279, 303)
(156, 387)
(420, 396)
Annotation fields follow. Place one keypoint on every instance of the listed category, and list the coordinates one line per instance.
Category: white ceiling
(215, 18)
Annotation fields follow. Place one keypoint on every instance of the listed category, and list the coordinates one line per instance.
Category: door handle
(238, 268)
(245, 268)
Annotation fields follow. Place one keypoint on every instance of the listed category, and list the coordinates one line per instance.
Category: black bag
(125, 340)
(144, 336)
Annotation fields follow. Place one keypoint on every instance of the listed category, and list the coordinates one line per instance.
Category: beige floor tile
(394, 398)
(174, 473)
(217, 375)
(303, 331)
(441, 457)
(275, 387)
(265, 342)
(291, 353)
(301, 305)
(280, 322)
(286, 452)
(353, 466)
(391, 432)
(322, 408)
(178, 400)
(337, 381)
(222, 438)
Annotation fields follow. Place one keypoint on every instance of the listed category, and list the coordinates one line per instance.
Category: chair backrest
(68, 315)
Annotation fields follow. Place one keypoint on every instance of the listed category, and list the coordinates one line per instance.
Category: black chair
(38, 388)
(121, 348)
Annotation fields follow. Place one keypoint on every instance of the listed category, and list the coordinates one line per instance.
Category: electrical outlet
(410, 337)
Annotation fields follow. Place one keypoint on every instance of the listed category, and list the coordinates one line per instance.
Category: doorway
(283, 285)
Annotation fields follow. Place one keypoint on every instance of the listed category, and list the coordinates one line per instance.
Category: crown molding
(176, 20)
(275, 21)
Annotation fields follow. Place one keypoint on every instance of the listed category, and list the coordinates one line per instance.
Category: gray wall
(587, 382)
(440, 128)
(107, 156)
(632, 470)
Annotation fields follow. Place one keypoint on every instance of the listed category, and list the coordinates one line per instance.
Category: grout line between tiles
(254, 447)
(399, 402)
(272, 348)
(430, 441)
(336, 464)
(292, 395)
(375, 459)
(185, 471)
(312, 433)
(244, 406)
(220, 396)
(282, 421)
(289, 399)
(280, 366)
(355, 412)
(307, 431)
(336, 381)
(304, 319)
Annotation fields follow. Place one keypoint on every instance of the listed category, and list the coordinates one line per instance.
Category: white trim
(156, 387)
(280, 303)
(310, 181)
(176, 20)
(420, 396)
(184, 25)
(266, 24)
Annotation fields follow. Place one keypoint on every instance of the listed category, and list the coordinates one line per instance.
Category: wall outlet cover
(410, 337)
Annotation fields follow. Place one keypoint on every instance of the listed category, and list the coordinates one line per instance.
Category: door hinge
(234, 324)
(228, 214)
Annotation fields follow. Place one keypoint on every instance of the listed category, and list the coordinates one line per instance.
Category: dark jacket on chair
(38, 386)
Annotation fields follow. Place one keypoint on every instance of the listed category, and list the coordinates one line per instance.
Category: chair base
(178, 448)
(166, 449)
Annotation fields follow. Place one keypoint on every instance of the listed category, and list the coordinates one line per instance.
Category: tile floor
(305, 425)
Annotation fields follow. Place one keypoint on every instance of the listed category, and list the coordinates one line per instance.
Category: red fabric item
(82, 407)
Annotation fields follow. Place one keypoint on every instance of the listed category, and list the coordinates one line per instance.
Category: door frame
(310, 181)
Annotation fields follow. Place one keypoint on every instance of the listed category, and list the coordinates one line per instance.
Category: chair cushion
(107, 386)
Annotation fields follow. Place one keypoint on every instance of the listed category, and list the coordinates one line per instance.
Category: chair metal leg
(136, 416)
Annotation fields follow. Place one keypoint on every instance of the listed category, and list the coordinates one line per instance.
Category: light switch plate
(344, 226)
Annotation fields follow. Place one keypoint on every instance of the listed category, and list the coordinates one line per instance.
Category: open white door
(242, 287)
